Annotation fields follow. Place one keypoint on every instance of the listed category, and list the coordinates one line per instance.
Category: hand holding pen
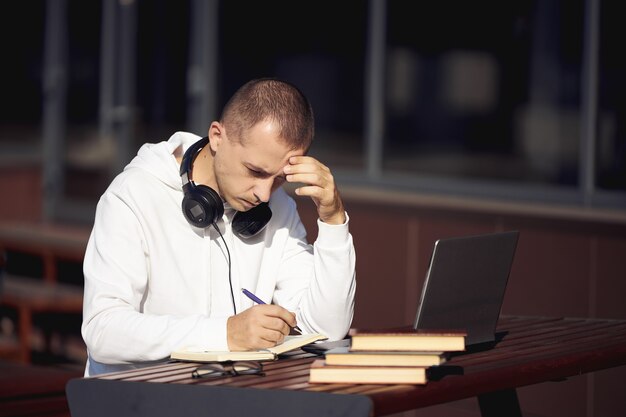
(259, 301)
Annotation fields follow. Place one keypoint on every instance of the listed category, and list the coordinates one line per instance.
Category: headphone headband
(190, 155)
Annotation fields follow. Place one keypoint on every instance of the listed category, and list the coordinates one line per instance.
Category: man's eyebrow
(261, 171)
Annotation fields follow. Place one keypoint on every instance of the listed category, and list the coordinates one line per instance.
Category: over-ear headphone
(202, 206)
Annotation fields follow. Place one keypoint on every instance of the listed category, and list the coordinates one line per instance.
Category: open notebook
(198, 354)
(465, 285)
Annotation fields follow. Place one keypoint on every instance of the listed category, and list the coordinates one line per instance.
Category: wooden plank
(9, 347)
(66, 241)
(534, 350)
(41, 296)
(27, 390)
(49, 241)
(30, 296)
(488, 376)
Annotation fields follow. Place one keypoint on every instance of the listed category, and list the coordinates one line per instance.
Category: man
(160, 277)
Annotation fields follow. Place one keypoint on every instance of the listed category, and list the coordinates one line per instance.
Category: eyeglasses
(214, 370)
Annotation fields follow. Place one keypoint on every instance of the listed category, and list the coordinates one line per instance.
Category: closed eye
(258, 174)
(262, 174)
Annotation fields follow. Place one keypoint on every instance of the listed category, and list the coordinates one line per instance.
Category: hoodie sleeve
(319, 281)
(116, 270)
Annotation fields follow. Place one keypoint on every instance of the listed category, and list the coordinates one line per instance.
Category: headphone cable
(230, 281)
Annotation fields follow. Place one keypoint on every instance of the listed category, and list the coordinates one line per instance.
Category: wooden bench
(30, 296)
(9, 348)
(51, 242)
(43, 295)
(29, 390)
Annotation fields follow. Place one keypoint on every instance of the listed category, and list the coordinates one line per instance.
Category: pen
(259, 301)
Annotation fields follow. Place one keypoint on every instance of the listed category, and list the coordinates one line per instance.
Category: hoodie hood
(159, 159)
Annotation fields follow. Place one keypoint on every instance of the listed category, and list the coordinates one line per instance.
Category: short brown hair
(269, 98)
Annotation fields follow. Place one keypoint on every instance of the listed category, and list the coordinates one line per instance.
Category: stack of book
(387, 358)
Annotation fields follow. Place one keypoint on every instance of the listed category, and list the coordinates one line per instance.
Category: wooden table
(533, 350)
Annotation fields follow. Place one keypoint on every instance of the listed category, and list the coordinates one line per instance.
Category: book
(321, 372)
(343, 356)
(198, 354)
(415, 340)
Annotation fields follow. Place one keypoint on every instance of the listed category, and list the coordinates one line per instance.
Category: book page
(194, 353)
(295, 341)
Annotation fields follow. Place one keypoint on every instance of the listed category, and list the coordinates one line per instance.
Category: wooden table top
(533, 350)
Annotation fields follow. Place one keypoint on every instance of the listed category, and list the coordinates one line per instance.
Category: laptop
(465, 285)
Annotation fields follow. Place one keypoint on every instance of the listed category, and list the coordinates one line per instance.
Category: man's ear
(216, 135)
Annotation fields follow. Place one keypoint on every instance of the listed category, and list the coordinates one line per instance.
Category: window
(320, 47)
(491, 99)
(484, 90)
(20, 75)
(611, 136)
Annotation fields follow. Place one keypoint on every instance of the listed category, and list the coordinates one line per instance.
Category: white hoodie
(154, 283)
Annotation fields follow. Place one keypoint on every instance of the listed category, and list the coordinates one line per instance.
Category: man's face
(248, 169)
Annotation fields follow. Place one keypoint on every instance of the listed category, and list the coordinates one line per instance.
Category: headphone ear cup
(202, 206)
(248, 223)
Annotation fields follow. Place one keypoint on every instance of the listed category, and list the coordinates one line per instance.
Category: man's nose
(263, 190)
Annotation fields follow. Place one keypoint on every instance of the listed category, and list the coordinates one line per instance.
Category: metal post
(589, 101)
(126, 82)
(375, 87)
(54, 106)
(107, 69)
(202, 67)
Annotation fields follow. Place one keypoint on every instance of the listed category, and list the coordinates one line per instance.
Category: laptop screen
(465, 285)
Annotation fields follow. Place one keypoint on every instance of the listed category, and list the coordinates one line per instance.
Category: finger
(281, 314)
(259, 327)
(312, 191)
(266, 332)
(308, 178)
(305, 164)
(288, 319)
(273, 337)
(303, 159)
